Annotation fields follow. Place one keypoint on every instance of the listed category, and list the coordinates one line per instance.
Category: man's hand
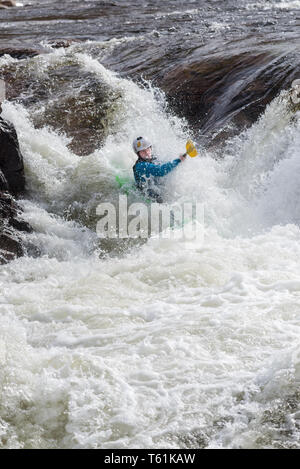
(182, 157)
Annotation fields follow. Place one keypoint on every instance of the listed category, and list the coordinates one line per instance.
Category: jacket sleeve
(150, 169)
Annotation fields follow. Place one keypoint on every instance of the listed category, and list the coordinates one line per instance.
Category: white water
(276, 4)
(164, 346)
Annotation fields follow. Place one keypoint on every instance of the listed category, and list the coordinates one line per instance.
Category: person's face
(146, 154)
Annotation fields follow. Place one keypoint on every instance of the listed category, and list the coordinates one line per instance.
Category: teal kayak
(127, 185)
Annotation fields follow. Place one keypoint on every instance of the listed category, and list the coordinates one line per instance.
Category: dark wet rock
(8, 207)
(10, 242)
(3, 182)
(11, 245)
(12, 183)
(20, 225)
(217, 95)
(11, 159)
(19, 53)
(6, 256)
(84, 116)
(83, 108)
(215, 91)
(7, 3)
(11, 224)
(58, 43)
(67, 98)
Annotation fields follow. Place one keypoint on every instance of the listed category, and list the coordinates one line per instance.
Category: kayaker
(149, 171)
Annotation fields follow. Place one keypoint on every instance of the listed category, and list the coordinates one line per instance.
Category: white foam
(164, 347)
(277, 4)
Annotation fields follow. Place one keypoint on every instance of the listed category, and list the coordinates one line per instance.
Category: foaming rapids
(163, 346)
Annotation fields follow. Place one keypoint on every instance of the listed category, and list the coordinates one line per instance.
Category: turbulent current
(160, 344)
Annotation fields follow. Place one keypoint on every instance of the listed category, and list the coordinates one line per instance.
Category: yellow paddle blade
(190, 149)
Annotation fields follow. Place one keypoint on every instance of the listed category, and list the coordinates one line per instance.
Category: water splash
(165, 346)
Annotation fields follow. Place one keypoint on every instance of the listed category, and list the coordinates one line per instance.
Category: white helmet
(140, 143)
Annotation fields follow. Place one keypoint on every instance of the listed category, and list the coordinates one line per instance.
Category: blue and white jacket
(148, 176)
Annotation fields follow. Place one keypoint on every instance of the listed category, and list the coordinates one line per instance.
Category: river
(161, 343)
